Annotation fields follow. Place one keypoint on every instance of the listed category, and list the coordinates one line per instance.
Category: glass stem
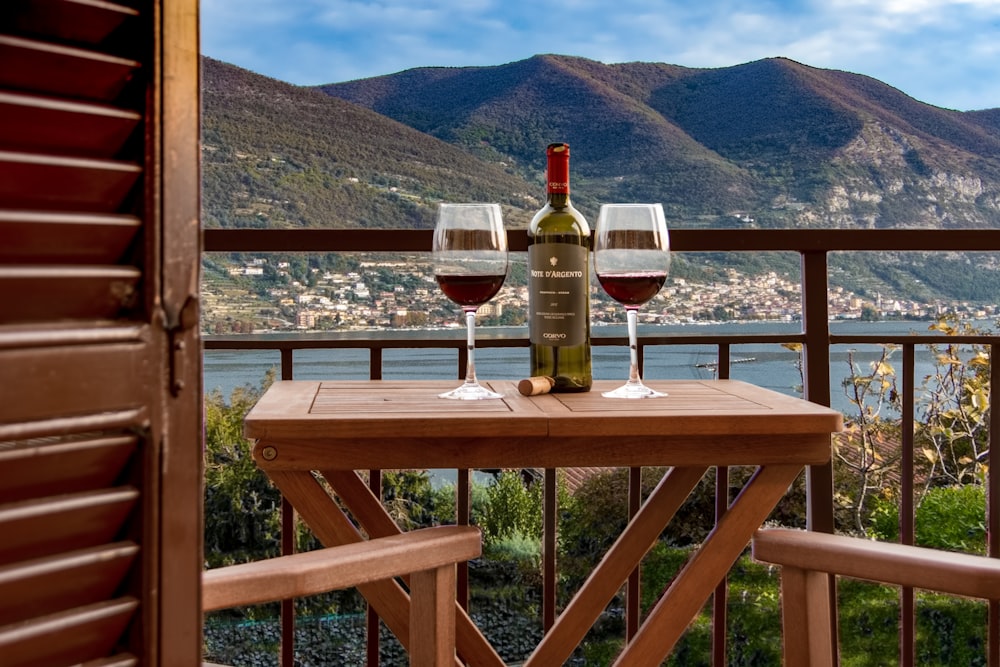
(632, 317)
(470, 346)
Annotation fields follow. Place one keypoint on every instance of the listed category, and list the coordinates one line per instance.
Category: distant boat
(715, 364)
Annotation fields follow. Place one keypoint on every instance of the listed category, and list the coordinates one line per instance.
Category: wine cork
(534, 386)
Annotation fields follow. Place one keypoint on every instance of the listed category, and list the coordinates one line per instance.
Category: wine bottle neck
(557, 174)
(558, 199)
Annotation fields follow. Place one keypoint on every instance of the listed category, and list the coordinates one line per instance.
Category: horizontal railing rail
(815, 336)
(681, 240)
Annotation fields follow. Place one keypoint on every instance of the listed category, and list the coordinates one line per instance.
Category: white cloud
(930, 49)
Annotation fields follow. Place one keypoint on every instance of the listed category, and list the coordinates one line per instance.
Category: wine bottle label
(558, 289)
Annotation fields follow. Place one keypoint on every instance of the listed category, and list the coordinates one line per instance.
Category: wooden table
(307, 430)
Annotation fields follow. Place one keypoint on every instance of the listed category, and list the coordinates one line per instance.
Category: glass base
(633, 390)
(470, 392)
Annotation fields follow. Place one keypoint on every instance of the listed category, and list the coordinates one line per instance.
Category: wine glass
(631, 260)
(470, 265)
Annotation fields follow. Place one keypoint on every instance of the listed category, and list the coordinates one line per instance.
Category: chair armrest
(333, 568)
(904, 565)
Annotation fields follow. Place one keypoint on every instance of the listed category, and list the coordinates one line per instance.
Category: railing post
(816, 386)
(907, 509)
(993, 503)
(463, 517)
(720, 600)
(373, 623)
(287, 542)
(816, 376)
(633, 595)
(549, 545)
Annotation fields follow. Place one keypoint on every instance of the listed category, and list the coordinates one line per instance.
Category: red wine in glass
(631, 260)
(470, 290)
(633, 289)
(470, 265)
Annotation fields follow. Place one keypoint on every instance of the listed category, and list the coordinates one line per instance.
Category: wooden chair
(808, 558)
(428, 556)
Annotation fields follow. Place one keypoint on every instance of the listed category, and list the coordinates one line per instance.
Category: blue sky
(943, 52)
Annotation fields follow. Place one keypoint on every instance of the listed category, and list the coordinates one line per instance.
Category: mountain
(278, 155)
(773, 141)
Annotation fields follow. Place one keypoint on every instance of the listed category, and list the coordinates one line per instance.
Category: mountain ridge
(746, 138)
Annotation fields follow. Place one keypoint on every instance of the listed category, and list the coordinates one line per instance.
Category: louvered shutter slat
(64, 581)
(55, 182)
(100, 379)
(43, 527)
(65, 238)
(82, 21)
(49, 467)
(53, 69)
(47, 125)
(85, 634)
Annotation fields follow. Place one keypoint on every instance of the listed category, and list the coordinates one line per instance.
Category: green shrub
(953, 518)
(949, 517)
(512, 509)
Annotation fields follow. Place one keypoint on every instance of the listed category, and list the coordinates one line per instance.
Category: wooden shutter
(100, 447)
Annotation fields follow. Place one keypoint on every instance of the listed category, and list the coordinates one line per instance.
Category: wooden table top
(403, 424)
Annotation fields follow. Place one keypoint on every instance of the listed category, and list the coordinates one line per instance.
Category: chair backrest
(808, 559)
(428, 556)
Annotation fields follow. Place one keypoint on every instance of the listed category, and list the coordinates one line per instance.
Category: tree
(951, 426)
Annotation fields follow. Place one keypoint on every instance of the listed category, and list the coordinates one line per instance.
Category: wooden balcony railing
(813, 246)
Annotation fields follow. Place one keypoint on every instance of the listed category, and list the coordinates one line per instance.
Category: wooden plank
(53, 69)
(899, 564)
(59, 334)
(332, 568)
(57, 583)
(805, 614)
(385, 409)
(119, 660)
(67, 638)
(432, 617)
(39, 528)
(61, 382)
(40, 124)
(84, 21)
(119, 420)
(45, 293)
(499, 451)
(59, 183)
(720, 407)
(54, 468)
(381, 410)
(32, 237)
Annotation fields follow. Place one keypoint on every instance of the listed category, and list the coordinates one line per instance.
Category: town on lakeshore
(261, 295)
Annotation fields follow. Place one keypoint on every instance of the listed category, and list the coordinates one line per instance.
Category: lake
(767, 365)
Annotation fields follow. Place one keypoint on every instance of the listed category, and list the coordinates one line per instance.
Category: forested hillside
(773, 141)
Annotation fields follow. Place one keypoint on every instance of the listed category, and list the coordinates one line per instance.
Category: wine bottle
(559, 283)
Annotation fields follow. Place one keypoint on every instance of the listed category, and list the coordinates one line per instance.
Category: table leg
(609, 575)
(472, 646)
(692, 586)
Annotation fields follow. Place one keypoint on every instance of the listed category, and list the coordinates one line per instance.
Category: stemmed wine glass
(631, 260)
(470, 265)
